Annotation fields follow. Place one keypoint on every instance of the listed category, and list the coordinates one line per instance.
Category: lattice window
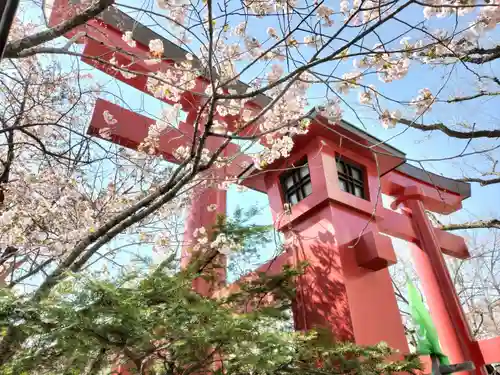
(296, 183)
(351, 178)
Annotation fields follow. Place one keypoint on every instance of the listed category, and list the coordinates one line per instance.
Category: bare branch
(481, 181)
(493, 133)
(479, 224)
(470, 97)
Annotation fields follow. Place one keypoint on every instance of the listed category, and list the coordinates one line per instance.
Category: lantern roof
(389, 158)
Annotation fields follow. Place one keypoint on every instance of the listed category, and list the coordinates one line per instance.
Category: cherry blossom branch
(115, 226)
(486, 55)
(314, 61)
(14, 49)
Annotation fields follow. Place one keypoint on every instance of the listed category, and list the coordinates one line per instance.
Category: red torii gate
(102, 40)
(367, 276)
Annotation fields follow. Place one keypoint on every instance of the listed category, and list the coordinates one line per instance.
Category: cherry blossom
(211, 207)
(120, 68)
(423, 102)
(156, 48)
(224, 244)
(272, 32)
(239, 30)
(106, 133)
(390, 119)
(275, 73)
(365, 97)
(127, 38)
(108, 118)
(324, 13)
(219, 127)
(372, 11)
(344, 6)
(167, 121)
(349, 80)
(332, 111)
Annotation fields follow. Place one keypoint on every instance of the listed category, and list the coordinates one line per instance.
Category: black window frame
(347, 177)
(299, 183)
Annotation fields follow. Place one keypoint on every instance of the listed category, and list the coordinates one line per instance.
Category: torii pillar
(201, 198)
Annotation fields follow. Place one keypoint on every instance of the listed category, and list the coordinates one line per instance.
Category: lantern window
(351, 178)
(296, 183)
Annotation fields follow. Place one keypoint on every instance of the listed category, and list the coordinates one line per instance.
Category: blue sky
(415, 144)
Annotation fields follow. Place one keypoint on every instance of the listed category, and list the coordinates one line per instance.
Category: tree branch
(493, 133)
(470, 97)
(480, 224)
(14, 48)
(487, 55)
(481, 181)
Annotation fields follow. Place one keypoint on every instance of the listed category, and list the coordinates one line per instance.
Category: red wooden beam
(400, 226)
(490, 350)
(106, 42)
(435, 199)
(131, 128)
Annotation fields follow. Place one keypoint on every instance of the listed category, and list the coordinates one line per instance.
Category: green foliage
(154, 320)
(160, 319)
(243, 231)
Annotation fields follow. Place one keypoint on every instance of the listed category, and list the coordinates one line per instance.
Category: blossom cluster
(349, 80)
(223, 243)
(171, 82)
(390, 119)
(156, 48)
(279, 124)
(423, 102)
(49, 211)
(107, 131)
(168, 120)
(332, 111)
(127, 38)
(120, 68)
(182, 153)
(389, 67)
(446, 8)
(367, 96)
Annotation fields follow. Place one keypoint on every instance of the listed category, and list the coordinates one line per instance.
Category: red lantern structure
(327, 204)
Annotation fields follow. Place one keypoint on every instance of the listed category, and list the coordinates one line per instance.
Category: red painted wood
(131, 129)
(62, 11)
(335, 292)
(438, 286)
(374, 251)
(490, 350)
(434, 199)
